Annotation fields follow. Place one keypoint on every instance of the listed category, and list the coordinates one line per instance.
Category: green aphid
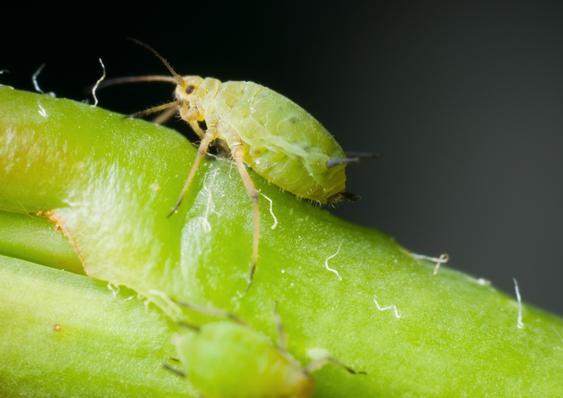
(259, 128)
(226, 359)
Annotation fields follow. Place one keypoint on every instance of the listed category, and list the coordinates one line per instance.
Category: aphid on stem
(257, 128)
(226, 358)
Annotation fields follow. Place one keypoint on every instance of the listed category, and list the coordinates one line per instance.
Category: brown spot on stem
(59, 226)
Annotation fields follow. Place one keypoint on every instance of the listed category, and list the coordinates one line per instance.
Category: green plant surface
(109, 183)
(65, 335)
(34, 239)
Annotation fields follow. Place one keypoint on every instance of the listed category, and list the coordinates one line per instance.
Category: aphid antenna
(136, 79)
(176, 75)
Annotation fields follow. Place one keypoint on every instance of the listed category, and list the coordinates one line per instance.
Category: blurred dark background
(463, 100)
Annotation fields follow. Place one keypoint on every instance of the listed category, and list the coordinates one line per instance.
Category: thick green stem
(109, 183)
(64, 335)
(35, 239)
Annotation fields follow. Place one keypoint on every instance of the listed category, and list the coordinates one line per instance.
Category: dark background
(463, 100)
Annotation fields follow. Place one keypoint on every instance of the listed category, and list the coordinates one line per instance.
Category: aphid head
(189, 88)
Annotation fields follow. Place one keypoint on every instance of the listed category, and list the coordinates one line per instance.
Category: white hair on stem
(114, 289)
(519, 322)
(101, 79)
(328, 268)
(208, 207)
(42, 111)
(443, 259)
(392, 308)
(275, 224)
(34, 79)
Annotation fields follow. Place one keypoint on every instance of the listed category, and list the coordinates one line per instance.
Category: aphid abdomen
(227, 360)
(283, 143)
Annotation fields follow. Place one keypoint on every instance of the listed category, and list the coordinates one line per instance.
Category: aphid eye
(190, 89)
(202, 125)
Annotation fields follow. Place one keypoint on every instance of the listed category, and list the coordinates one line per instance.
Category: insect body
(258, 128)
(229, 359)
(266, 131)
(226, 359)
(277, 138)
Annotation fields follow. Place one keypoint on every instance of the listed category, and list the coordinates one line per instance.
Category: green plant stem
(35, 239)
(64, 335)
(109, 183)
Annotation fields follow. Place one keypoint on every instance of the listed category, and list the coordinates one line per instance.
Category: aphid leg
(282, 336)
(189, 114)
(349, 196)
(154, 109)
(320, 358)
(165, 116)
(211, 311)
(174, 370)
(208, 138)
(191, 326)
(254, 195)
